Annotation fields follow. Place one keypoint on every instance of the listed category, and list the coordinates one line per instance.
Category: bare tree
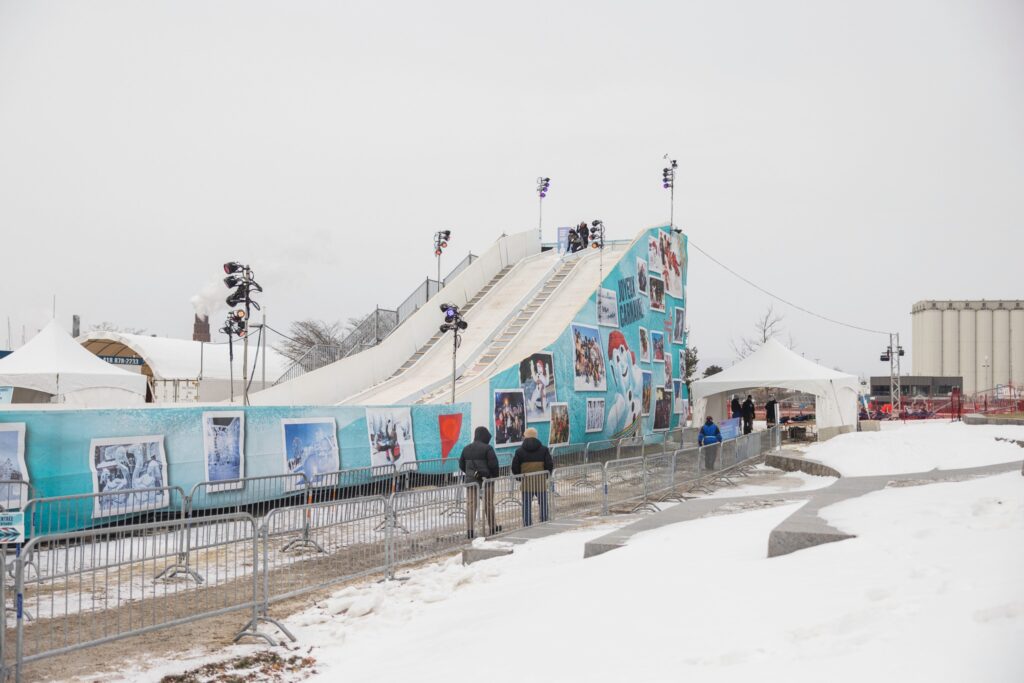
(305, 334)
(767, 326)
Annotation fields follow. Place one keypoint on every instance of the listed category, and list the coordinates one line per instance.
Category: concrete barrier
(789, 463)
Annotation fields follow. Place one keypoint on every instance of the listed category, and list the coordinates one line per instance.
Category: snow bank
(919, 448)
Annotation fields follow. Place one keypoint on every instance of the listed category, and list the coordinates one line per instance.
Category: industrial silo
(932, 323)
(983, 348)
(968, 355)
(1017, 347)
(950, 342)
(1000, 346)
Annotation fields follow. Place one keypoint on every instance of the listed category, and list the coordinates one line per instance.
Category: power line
(758, 287)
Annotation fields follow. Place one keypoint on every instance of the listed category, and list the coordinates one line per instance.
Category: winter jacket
(748, 409)
(737, 409)
(709, 434)
(769, 410)
(533, 456)
(478, 459)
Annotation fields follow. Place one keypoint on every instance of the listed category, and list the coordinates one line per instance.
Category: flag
(449, 426)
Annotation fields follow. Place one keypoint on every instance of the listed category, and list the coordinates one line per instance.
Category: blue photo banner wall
(83, 451)
(613, 368)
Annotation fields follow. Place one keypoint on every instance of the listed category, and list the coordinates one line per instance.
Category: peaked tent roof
(772, 365)
(54, 363)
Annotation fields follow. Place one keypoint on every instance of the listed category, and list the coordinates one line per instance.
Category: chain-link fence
(157, 558)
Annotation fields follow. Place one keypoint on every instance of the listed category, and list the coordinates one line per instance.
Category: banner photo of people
(646, 395)
(12, 466)
(679, 325)
(391, 436)
(641, 276)
(509, 417)
(595, 415)
(559, 424)
(677, 393)
(671, 248)
(662, 409)
(589, 370)
(645, 345)
(121, 467)
(657, 294)
(224, 448)
(658, 346)
(653, 255)
(310, 448)
(537, 378)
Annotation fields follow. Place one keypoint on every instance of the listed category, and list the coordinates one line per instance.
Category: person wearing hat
(530, 459)
(709, 435)
(480, 465)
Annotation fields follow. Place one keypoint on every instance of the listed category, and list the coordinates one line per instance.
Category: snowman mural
(626, 387)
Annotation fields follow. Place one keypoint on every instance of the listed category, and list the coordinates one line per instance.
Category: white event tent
(52, 364)
(775, 366)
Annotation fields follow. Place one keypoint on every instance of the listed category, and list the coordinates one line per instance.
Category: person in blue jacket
(709, 435)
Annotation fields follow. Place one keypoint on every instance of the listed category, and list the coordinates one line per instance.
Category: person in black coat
(584, 232)
(770, 412)
(737, 409)
(480, 464)
(748, 414)
(530, 460)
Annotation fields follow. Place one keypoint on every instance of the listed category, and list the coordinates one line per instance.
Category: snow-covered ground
(930, 589)
(904, 448)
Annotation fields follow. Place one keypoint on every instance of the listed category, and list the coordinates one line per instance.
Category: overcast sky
(854, 157)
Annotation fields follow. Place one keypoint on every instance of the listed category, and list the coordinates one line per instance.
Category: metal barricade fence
(624, 482)
(357, 482)
(57, 514)
(629, 447)
(659, 477)
(687, 466)
(96, 586)
(429, 522)
(14, 494)
(429, 473)
(578, 489)
(341, 540)
(569, 454)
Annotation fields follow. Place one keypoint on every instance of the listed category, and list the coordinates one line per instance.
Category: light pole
(453, 321)
(597, 242)
(542, 191)
(892, 354)
(668, 181)
(441, 238)
(241, 278)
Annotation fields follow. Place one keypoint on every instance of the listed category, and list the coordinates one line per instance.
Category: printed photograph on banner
(625, 386)
(668, 367)
(310, 448)
(653, 255)
(677, 393)
(685, 410)
(509, 417)
(682, 362)
(662, 408)
(224, 448)
(648, 385)
(657, 294)
(391, 439)
(607, 308)
(537, 377)
(559, 424)
(595, 415)
(588, 359)
(641, 276)
(123, 465)
(679, 325)
(672, 267)
(658, 346)
(645, 345)
(12, 466)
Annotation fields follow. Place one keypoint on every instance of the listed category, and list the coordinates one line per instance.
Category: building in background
(980, 341)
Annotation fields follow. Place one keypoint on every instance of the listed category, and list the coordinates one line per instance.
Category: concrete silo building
(981, 341)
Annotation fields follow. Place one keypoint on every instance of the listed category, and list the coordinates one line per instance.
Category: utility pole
(263, 350)
(542, 191)
(668, 181)
(246, 277)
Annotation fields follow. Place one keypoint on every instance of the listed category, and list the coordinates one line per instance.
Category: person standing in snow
(737, 409)
(480, 464)
(748, 414)
(531, 459)
(769, 412)
(709, 435)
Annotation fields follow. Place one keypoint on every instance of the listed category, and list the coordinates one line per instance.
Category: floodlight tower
(441, 238)
(892, 353)
(453, 321)
(668, 181)
(241, 278)
(542, 191)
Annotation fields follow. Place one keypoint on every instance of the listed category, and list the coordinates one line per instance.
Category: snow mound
(919, 448)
